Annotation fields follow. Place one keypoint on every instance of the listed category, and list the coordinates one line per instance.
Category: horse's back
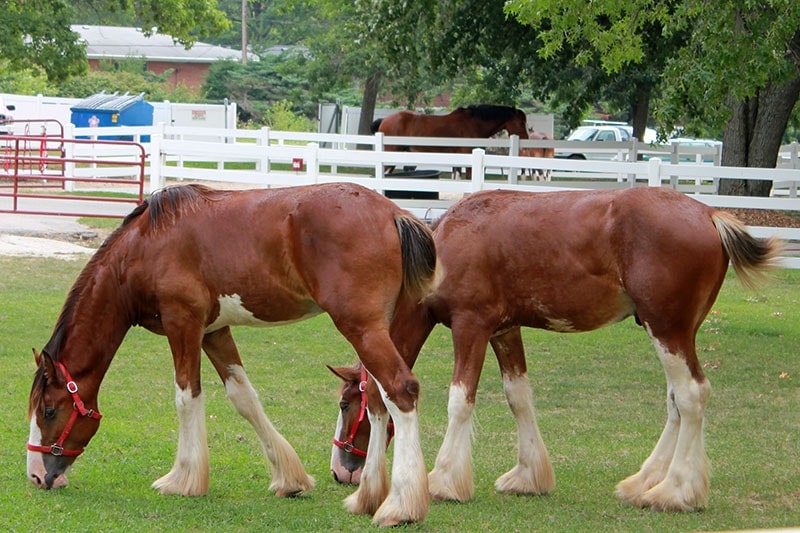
(585, 257)
(284, 253)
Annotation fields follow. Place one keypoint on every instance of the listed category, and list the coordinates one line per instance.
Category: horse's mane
(490, 111)
(166, 205)
(163, 207)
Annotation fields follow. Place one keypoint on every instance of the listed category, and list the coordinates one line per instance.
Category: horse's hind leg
(676, 475)
(289, 478)
(533, 473)
(408, 497)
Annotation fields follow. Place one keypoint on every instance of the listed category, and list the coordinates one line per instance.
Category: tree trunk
(753, 135)
(368, 103)
(641, 106)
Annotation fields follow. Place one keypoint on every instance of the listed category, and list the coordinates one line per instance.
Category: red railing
(86, 173)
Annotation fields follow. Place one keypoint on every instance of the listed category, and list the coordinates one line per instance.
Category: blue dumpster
(106, 110)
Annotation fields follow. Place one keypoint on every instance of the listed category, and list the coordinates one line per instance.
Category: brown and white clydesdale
(566, 262)
(191, 262)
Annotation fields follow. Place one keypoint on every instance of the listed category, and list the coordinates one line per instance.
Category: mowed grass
(600, 399)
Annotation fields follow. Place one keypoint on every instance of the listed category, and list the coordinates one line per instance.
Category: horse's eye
(344, 405)
(49, 413)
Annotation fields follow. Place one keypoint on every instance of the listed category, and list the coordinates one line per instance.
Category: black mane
(491, 112)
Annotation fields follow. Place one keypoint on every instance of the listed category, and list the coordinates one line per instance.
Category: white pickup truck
(597, 132)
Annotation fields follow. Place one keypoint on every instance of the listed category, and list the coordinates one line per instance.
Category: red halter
(347, 445)
(78, 408)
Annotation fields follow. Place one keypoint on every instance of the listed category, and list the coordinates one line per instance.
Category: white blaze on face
(36, 469)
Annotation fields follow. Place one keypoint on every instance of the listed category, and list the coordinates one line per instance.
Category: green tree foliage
(733, 67)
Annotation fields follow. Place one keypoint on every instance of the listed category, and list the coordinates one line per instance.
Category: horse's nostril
(335, 477)
(36, 479)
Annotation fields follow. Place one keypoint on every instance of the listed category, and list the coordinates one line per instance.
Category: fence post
(312, 162)
(478, 169)
(69, 155)
(379, 148)
(654, 172)
(513, 150)
(157, 159)
(264, 140)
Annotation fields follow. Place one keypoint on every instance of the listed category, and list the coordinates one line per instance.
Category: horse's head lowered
(349, 451)
(61, 422)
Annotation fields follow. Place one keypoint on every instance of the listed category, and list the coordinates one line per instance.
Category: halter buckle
(72, 387)
(56, 450)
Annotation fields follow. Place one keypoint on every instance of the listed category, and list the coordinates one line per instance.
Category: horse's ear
(36, 356)
(46, 363)
(345, 373)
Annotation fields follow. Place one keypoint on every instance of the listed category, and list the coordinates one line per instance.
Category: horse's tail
(376, 124)
(751, 257)
(419, 255)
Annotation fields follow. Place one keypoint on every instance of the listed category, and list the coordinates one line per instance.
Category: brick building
(190, 67)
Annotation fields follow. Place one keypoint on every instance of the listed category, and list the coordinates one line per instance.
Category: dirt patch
(766, 217)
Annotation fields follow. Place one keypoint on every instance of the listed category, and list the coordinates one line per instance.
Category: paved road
(43, 236)
(42, 226)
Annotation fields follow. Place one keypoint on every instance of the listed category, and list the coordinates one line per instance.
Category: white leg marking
(533, 473)
(289, 478)
(451, 477)
(374, 486)
(408, 497)
(189, 474)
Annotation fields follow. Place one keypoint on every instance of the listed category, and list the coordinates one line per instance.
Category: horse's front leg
(451, 477)
(189, 474)
(533, 473)
(408, 497)
(289, 478)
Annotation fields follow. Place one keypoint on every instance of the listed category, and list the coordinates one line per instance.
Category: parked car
(5, 117)
(596, 133)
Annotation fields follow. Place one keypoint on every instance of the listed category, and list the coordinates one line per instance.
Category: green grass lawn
(600, 398)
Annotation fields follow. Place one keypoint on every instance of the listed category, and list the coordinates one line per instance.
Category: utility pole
(244, 32)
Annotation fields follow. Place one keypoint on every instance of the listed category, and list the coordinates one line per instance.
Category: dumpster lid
(108, 102)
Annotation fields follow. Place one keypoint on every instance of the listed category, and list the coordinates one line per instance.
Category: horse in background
(191, 262)
(587, 259)
(475, 121)
(534, 173)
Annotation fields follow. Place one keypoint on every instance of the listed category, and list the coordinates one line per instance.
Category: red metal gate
(50, 175)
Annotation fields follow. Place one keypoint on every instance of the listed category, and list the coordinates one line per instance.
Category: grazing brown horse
(537, 173)
(190, 263)
(473, 122)
(567, 262)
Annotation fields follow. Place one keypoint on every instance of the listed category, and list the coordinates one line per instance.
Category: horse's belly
(579, 314)
(232, 312)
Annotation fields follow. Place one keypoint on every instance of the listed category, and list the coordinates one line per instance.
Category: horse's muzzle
(46, 476)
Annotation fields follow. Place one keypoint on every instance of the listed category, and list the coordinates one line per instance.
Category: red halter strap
(78, 409)
(348, 445)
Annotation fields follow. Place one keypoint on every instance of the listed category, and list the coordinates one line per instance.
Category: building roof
(113, 42)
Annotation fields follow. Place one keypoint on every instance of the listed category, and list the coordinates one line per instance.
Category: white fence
(266, 158)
